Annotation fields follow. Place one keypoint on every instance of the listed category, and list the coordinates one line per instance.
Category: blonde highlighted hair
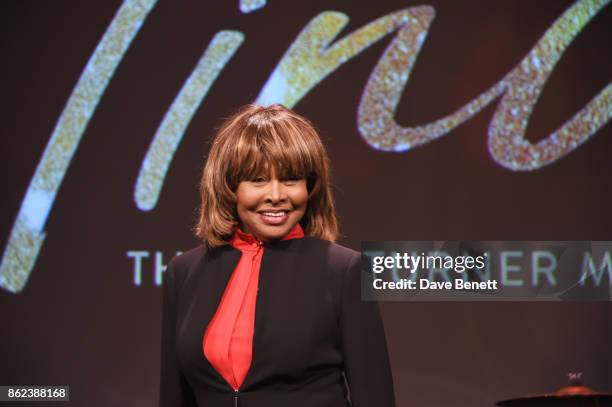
(253, 141)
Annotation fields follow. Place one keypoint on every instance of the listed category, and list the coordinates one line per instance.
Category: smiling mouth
(274, 217)
(273, 213)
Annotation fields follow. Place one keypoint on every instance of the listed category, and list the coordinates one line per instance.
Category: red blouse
(228, 340)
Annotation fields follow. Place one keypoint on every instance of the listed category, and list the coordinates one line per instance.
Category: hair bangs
(263, 149)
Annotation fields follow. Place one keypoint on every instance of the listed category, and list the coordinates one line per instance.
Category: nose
(276, 191)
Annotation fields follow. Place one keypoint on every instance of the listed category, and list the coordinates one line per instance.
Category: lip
(273, 217)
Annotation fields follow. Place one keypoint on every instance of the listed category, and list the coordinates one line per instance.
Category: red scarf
(228, 340)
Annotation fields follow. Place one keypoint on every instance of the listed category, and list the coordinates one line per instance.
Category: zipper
(259, 245)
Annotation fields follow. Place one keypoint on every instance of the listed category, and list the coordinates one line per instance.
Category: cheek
(300, 197)
(245, 203)
(246, 198)
(305, 199)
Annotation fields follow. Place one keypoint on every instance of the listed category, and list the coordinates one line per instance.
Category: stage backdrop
(444, 120)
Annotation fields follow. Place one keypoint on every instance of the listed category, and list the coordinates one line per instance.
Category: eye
(291, 180)
(258, 179)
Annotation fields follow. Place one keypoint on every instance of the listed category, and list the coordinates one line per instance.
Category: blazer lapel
(221, 265)
(216, 270)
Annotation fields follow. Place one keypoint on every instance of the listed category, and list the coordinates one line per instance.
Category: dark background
(81, 321)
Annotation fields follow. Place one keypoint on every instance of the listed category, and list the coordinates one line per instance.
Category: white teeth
(274, 214)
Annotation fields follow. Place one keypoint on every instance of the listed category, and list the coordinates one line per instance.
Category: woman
(267, 311)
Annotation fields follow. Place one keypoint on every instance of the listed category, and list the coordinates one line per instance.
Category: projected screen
(443, 121)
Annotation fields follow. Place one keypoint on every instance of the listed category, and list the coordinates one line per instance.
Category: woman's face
(270, 207)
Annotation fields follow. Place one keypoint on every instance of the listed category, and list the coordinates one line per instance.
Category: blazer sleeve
(366, 361)
(174, 390)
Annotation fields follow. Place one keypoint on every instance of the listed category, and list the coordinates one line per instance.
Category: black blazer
(310, 328)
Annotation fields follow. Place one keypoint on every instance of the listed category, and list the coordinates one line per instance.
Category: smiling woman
(267, 311)
(270, 157)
